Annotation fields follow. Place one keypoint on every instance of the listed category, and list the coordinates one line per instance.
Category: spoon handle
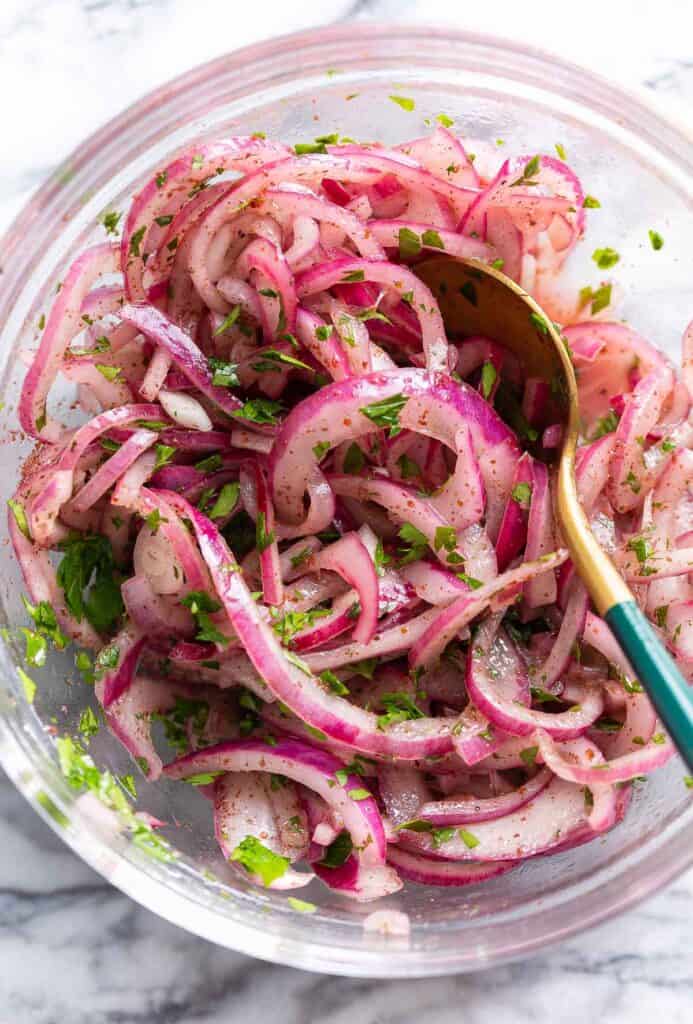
(670, 694)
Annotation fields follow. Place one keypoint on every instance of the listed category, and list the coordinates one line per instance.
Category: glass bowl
(294, 88)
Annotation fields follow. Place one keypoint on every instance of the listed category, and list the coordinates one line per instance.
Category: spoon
(476, 299)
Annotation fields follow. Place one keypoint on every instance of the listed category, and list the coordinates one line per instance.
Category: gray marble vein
(72, 949)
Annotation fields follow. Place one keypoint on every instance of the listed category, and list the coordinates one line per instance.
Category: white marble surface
(72, 949)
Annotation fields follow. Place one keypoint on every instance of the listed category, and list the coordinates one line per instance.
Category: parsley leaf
(656, 240)
(404, 102)
(223, 374)
(399, 707)
(385, 413)
(522, 493)
(259, 860)
(110, 221)
(354, 460)
(263, 539)
(338, 852)
(605, 425)
(87, 576)
(259, 410)
(432, 239)
(227, 500)
(590, 203)
(605, 258)
(488, 379)
(409, 243)
(416, 544)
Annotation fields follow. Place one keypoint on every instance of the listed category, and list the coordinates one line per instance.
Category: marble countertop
(73, 949)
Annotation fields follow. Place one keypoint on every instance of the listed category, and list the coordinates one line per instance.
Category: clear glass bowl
(294, 88)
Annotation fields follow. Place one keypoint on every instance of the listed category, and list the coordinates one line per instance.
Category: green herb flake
(529, 173)
(656, 240)
(338, 852)
(601, 299)
(110, 221)
(354, 276)
(259, 410)
(447, 122)
(432, 239)
(605, 425)
(88, 723)
(468, 838)
(226, 501)
(560, 149)
(228, 321)
(111, 373)
(528, 756)
(359, 794)
(136, 241)
(323, 332)
(321, 449)
(606, 257)
(409, 243)
(408, 467)
(20, 516)
(404, 102)
(415, 544)
(334, 683)
(488, 379)
(164, 454)
(302, 906)
(385, 413)
(539, 322)
(399, 707)
(88, 577)
(28, 685)
(354, 460)
(522, 494)
(591, 203)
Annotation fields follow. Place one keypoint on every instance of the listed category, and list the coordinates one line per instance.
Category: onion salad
(313, 536)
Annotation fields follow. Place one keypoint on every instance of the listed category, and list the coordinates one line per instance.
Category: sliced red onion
(501, 591)
(349, 558)
(317, 770)
(414, 867)
(463, 810)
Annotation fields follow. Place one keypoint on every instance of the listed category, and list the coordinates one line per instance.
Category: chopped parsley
(111, 373)
(591, 203)
(271, 357)
(82, 774)
(259, 410)
(415, 544)
(605, 425)
(164, 454)
(468, 838)
(202, 606)
(302, 906)
(353, 276)
(354, 460)
(656, 240)
(338, 852)
(432, 239)
(522, 494)
(320, 449)
(259, 860)
(560, 149)
(529, 173)
(223, 374)
(488, 379)
(539, 322)
(385, 413)
(110, 221)
(20, 517)
(399, 707)
(408, 467)
(28, 685)
(606, 257)
(447, 122)
(529, 756)
(334, 682)
(228, 321)
(404, 102)
(409, 243)
(263, 539)
(136, 241)
(87, 576)
(227, 500)
(88, 723)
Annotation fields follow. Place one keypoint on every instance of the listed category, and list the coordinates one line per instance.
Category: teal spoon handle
(670, 694)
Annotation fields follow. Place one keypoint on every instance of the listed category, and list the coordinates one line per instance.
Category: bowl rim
(152, 892)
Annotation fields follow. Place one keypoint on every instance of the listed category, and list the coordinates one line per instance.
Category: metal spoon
(476, 299)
